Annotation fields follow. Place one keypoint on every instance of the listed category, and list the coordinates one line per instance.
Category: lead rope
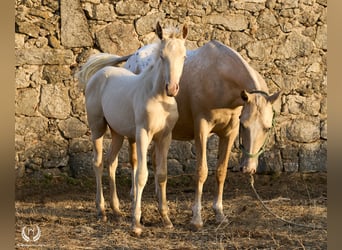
(277, 216)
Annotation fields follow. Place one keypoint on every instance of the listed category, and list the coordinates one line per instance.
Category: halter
(262, 149)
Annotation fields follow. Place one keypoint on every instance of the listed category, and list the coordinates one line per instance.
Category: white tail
(97, 62)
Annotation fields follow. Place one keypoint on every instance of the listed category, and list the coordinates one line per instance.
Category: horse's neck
(247, 78)
(154, 80)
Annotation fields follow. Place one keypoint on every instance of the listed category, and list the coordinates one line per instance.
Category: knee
(161, 177)
(221, 173)
(97, 163)
(202, 174)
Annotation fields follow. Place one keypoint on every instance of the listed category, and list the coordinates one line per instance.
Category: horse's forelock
(172, 32)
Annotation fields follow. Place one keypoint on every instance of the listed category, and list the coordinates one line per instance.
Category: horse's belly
(182, 131)
(119, 114)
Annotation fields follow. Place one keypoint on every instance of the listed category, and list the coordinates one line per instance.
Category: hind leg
(134, 165)
(115, 146)
(224, 149)
(98, 169)
(221, 172)
(201, 132)
(98, 127)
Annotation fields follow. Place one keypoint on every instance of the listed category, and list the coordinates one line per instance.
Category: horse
(221, 94)
(140, 107)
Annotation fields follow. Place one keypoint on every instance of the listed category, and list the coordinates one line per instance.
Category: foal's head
(172, 53)
(256, 121)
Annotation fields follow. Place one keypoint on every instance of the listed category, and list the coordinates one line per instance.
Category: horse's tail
(97, 62)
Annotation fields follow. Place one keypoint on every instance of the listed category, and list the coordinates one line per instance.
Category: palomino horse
(217, 88)
(140, 107)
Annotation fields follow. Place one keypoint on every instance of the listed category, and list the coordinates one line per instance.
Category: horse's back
(109, 94)
(212, 80)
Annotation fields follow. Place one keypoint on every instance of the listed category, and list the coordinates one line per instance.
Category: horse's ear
(159, 31)
(185, 31)
(274, 97)
(245, 95)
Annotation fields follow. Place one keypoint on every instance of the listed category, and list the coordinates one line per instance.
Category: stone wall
(285, 40)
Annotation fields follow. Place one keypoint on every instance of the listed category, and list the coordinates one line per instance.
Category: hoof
(220, 218)
(102, 218)
(137, 230)
(196, 227)
(167, 223)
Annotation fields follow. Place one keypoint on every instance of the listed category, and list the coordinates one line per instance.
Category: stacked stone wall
(285, 40)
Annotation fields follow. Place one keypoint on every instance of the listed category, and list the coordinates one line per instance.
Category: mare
(220, 93)
(140, 107)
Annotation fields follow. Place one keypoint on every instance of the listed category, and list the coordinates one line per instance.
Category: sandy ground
(64, 211)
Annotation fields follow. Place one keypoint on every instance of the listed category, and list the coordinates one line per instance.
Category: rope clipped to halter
(262, 149)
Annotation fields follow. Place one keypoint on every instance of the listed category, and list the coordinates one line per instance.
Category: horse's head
(172, 53)
(256, 122)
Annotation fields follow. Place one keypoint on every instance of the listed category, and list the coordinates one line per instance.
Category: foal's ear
(274, 97)
(185, 31)
(245, 95)
(159, 31)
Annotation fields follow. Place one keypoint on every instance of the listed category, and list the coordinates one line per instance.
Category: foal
(140, 107)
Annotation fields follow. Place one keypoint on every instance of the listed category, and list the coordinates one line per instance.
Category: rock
(239, 40)
(290, 158)
(288, 4)
(235, 22)
(249, 5)
(37, 56)
(296, 45)
(103, 12)
(300, 104)
(313, 157)
(28, 29)
(267, 19)
(324, 130)
(19, 40)
(258, 50)
(81, 164)
(309, 17)
(80, 145)
(26, 102)
(22, 78)
(74, 26)
(118, 38)
(321, 40)
(54, 42)
(49, 151)
(72, 128)
(55, 102)
(56, 73)
(53, 4)
(270, 162)
(132, 7)
(174, 167)
(147, 24)
(315, 68)
(304, 130)
(26, 125)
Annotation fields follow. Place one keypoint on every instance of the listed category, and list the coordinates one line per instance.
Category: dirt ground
(64, 210)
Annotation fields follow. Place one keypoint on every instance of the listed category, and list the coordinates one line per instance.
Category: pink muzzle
(172, 89)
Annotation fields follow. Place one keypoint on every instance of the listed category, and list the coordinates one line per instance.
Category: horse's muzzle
(172, 89)
(249, 166)
(247, 170)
